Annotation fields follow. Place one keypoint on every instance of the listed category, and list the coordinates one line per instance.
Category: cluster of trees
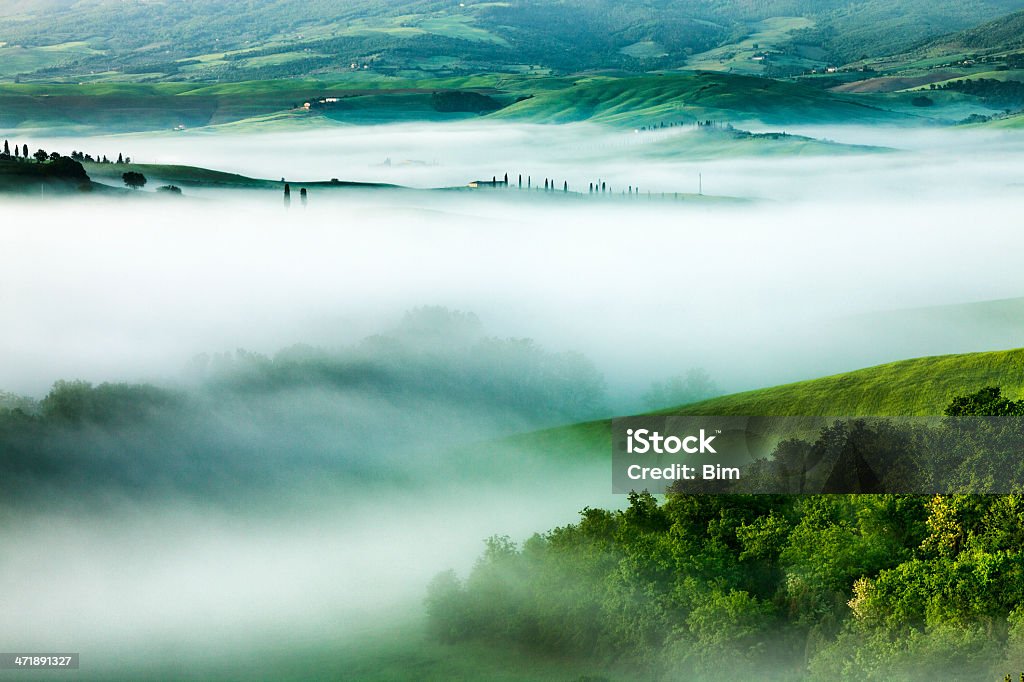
(1000, 93)
(19, 152)
(41, 155)
(597, 187)
(134, 179)
(705, 587)
(46, 167)
(54, 165)
(373, 406)
(88, 158)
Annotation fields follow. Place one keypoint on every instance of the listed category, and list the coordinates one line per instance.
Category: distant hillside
(689, 97)
(1003, 33)
(683, 97)
(141, 40)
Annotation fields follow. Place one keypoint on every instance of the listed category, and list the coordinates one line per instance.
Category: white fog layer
(307, 534)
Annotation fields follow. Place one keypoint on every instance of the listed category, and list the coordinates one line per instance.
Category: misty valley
(564, 340)
(282, 423)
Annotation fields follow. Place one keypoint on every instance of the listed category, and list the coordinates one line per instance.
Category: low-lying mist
(293, 456)
(128, 290)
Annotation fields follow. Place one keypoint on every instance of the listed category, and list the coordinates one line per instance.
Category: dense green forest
(824, 587)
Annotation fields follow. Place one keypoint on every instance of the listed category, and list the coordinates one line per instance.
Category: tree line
(41, 155)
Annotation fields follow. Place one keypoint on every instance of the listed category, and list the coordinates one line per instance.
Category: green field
(718, 143)
(763, 51)
(74, 42)
(621, 101)
(922, 386)
(689, 97)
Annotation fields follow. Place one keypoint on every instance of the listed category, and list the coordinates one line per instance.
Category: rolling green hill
(993, 50)
(1004, 33)
(636, 101)
(208, 40)
(922, 386)
(688, 97)
(126, 107)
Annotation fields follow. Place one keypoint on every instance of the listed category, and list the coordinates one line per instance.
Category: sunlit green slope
(922, 386)
(687, 97)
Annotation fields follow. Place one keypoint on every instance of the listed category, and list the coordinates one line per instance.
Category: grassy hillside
(1006, 32)
(1015, 122)
(636, 101)
(164, 106)
(990, 50)
(922, 386)
(706, 142)
(687, 97)
(210, 40)
(184, 176)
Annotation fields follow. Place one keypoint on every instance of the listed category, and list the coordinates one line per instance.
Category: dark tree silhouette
(120, 159)
(24, 150)
(54, 156)
(134, 180)
(17, 152)
(7, 148)
(287, 195)
(565, 186)
(304, 196)
(169, 189)
(40, 155)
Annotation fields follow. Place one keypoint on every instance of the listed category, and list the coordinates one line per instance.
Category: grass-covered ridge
(692, 97)
(635, 101)
(922, 386)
